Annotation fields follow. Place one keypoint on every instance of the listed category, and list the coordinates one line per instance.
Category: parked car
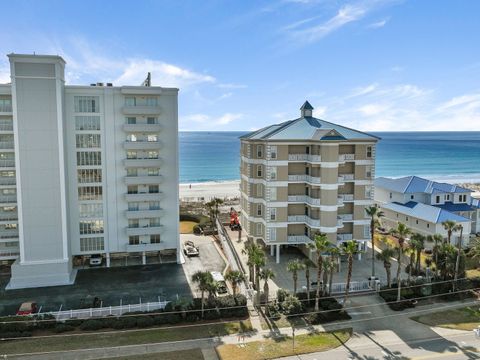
(222, 285)
(27, 308)
(96, 260)
(189, 249)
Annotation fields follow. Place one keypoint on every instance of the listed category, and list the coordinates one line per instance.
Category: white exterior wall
(46, 170)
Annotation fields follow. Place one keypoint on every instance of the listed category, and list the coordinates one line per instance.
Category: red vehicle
(27, 308)
(234, 221)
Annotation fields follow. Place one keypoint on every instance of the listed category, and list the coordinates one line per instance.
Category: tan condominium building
(305, 176)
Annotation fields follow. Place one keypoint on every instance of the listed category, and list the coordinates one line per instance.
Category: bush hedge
(175, 312)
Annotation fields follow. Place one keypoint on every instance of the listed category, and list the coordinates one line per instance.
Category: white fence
(355, 286)
(119, 310)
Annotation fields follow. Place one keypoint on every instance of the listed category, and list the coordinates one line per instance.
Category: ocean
(443, 156)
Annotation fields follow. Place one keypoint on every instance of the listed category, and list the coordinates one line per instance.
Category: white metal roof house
(424, 204)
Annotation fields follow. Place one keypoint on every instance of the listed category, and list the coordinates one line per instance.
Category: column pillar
(278, 254)
(144, 258)
(272, 250)
(108, 260)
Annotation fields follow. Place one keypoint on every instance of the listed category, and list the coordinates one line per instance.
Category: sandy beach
(207, 190)
(230, 189)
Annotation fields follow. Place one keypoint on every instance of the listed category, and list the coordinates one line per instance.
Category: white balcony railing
(8, 199)
(304, 157)
(339, 222)
(5, 108)
(339, 200)
(346, 197)
(304, 199)
(305, 178)
(304, 219)
(298, 239)
(346, 157)
(346, 177)
(344, 237)
(6, 144)
(346, 217)
(7, 163)
(6, 127)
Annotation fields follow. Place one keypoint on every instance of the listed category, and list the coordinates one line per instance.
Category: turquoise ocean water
(445, 156)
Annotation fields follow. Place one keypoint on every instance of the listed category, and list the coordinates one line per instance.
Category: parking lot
(128, 285)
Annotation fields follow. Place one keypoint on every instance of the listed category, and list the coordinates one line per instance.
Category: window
(259, 210)
(87, 104)
(273, 152)
(89, 158)
(368, 192)
(307, 150)
(447, 197)
(259, 151)
(406, 218)
(91, 227)
(154, 205)
(133, 206)
(132, 172)
(366, 232)
(92, 244)
(369, 152)
(90, 193)
(437, 199)
(259, 229)
(132, 120)
(259, 190)
(131, 154)
(153, 154)
(5, 105)
(416, 221)
(412, 197)
(273, 214)
(368, 172)
(428, 226)
(273, 193)
(132, 138)
(391, 195)
(153, 171)
(132, 189)
(151, 101)
(88, 141)
(462, 198)
(89, 175)
(133, 223)
(273, 234)
(151, 120)
(152, 138)
(87, 123)
(90, 210)
(154, 222)
(130, 101)
(134, 240)
(155, 239)
(273, 172)
(153, 189)
(259, 171)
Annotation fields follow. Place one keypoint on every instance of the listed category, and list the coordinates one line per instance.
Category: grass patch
(119, 338)
(283, 346)
(466, 318)
(186, 227)
(472, 273)
(284, 322)
(195, 354)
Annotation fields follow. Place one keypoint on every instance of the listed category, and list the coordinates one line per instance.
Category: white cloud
(199, 118)
(372, 109)
(320, 111)
(363, 90)
(206, 121)
(378, 24)
(228, 118)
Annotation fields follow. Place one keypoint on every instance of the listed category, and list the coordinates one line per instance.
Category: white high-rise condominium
(84, 170)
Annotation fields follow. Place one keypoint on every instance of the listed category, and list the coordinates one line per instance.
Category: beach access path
(208, 190)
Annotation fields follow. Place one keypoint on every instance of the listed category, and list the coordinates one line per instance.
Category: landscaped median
(283, 346)
(465, 318)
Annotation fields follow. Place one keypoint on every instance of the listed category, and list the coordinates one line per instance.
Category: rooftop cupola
(306, 110)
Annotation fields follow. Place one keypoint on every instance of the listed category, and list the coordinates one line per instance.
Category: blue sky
(374, 65)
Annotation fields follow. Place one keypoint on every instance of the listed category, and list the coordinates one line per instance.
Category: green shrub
(61, 328)
(144, 321)
(291, 305)
(91, 325)
(282, 295)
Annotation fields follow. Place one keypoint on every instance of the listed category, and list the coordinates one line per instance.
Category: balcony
(298, 239)
(346, 197)
(142, 163)
(144, 196)
(8, 199)
(346, 157)
(143, 180)
(147, 230)
(9, 254)
(345, 217)
(7, 163)
(339, 200)
(344, 237)
(6, 127)
(8, 145)
(142, 127)
(304, 178)
(346, 177)
(339, 222)
(142, 145)
(143, 214)
(141, 110)
(304, 219)
(304, 157)
(304, 199)
(5, 108)
(8, 234)
(145, 247)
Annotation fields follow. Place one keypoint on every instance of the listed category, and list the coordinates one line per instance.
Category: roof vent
(99, 84)
(93, 84)
(109, 84)
(306, 110)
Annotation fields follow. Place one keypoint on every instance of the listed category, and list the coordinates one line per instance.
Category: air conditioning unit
(109, 84)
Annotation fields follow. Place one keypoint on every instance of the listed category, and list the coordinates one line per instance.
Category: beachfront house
(423, 205)
(305, 176)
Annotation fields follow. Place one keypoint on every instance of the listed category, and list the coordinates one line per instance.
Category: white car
(189, 249)
(222, 288)
(96, 260)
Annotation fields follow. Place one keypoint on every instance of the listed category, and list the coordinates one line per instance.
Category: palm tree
(475, 249)
(211, 210)
(334, 254)
(459, 252)
(265, 275)
(446, 254)
(418, 241)
(251, 249)
(258, 262)
(411, 250)
(450, 226)
(401, 232)
(436, 239)
(306, 264)
(385, 255)
(235, 277)
(203, 279)
(294, 266)
(375, 214)
(350, 248)
(320, 244)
